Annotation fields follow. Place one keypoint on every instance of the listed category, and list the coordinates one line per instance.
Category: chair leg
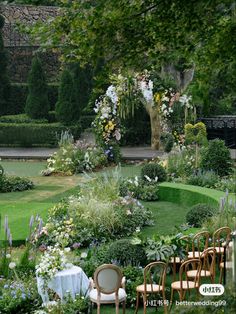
(137, 303)
(221, 274)
(164, 301)
(123, 306)
(144, 304)
(171, 298)
(117, 307)
(98, 308)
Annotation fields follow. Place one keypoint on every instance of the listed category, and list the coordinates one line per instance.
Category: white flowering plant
(144, 189)
(75, 158)
(51, 262)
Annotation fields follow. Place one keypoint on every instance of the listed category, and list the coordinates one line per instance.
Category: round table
(66, 282)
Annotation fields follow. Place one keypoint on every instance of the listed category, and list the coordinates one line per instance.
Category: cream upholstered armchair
(108, 287)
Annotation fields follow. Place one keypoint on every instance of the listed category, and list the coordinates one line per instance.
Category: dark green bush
(216, 157)
(124, 253)
(32, 134)
(152, 171)
(199, 213)
(86, 121)
(167, 140)
(19, 92)
(20, 118)
(13, 184)
(67, 109)
(37, 104)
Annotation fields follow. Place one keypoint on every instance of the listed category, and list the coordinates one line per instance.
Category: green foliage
(216, 157)
(5, 87)
(37, 105)
(195, 134)
(71, 158)
(19, 93)
(19, 296)
(20, 118)
(152, 171)
(134, 277)
(199, 213)
(31, 134)
(67, 108)
(140, 189)
(167, 140)
(206, 179)
(181, 164)
(124, 253)
(13, 184)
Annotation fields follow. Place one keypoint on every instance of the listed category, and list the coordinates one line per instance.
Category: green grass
(170, 211)
(23, 168)
(166, 216)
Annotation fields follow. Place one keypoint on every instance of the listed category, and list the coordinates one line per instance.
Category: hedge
(19, 92)
(188, 195)
(32, 134)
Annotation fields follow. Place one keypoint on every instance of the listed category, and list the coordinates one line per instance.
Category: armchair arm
(123, 280)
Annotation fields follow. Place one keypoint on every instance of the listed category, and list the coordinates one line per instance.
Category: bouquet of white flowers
(52, 261)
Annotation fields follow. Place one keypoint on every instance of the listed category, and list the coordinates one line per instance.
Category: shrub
(123, 253)
(37, 105)
(199, 213)
(206, 179)
(4, 80)
(13, 184)
(167, 140)
(152, 170)
(20, 118)
(196, 133)
(139, 189)
(67, 110)
(31, 134)
(19, 93)
(216, 157)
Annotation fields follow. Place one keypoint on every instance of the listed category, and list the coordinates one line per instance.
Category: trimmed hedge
(32, 134)
(188, 195)
(19, 92)
(86, 121)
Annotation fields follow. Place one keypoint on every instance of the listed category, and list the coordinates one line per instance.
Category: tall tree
(37, 104)
(67, 109)
(5, 86)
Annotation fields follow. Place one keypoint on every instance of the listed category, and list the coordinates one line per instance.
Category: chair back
(155, 273)
(185, 267)
(208, 258)
(221, 235)
(200, 241)
(107, 278)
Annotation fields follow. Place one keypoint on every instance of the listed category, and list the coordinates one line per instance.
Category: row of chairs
(109, 285)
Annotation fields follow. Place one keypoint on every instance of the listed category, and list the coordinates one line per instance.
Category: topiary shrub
(13, 184)
(67, 110)
(124, 253)
(152, 171)
(167, 140)
(37, 104)
(4, 80)
(216, 157)
(199, 213)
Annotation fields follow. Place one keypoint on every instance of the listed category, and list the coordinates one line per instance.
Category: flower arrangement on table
(52, 261)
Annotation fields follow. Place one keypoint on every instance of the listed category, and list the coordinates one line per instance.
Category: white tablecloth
(69, 281)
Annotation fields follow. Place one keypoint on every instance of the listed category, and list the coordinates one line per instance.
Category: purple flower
(76, 245)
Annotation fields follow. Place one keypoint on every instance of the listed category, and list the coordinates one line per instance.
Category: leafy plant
(167, 140)
(13, 184)
(152, 171)
(206, 179)
(216, 157)
(124, 253)
(199, 213)
(37, 105)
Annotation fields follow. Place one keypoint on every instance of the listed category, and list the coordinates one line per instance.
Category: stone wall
(20, 49)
